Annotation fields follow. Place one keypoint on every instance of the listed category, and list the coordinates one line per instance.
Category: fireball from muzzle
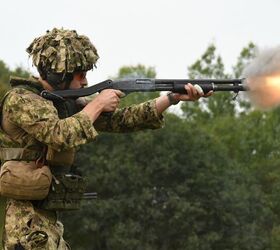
(263, 79)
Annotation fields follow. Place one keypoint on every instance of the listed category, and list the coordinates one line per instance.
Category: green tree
(6, 72)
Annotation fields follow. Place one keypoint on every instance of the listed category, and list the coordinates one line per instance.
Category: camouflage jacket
(34, 122)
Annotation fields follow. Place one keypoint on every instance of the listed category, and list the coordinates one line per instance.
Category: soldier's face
(79, 80)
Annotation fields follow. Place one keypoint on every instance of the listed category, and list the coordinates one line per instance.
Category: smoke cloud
(263, 79)
(267, 62)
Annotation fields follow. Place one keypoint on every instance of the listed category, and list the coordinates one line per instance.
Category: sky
(168, 35)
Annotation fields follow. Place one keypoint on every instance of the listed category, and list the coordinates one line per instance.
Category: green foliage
(209, 65)
(20, 72)
(187, 195)
(244, 58)
(5, 74)
(134, 72)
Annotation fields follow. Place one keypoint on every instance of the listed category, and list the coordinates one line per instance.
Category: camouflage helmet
(62, 51)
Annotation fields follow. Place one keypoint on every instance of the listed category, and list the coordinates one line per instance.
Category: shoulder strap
(29, 84)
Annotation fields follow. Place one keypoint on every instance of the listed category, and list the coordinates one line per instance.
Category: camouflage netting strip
(63, 51)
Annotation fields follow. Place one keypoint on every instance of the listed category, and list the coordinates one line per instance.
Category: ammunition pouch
(67, 188)
(52, 188)
(66, 193)
(23, 180)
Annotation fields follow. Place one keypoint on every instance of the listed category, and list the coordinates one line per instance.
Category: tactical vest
(67, 186)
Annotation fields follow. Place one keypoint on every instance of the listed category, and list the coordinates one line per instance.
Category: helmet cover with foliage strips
(62, 51)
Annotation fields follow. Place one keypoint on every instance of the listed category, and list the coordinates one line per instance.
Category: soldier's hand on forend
(193, 93)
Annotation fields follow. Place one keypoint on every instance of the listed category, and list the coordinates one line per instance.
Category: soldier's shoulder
(22, 93)
(20, 96)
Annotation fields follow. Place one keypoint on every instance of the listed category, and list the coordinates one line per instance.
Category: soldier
(39, 138)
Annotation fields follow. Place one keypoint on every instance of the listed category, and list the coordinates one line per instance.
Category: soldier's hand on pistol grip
(108, 99)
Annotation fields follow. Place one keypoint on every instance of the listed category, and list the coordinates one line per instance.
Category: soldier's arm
(39, 118)
(130, 119)
(147, 115)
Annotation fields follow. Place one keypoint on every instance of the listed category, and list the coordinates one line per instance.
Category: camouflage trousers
(29, 228)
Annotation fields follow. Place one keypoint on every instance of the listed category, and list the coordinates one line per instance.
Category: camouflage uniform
(30, 228)
(33, 123)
